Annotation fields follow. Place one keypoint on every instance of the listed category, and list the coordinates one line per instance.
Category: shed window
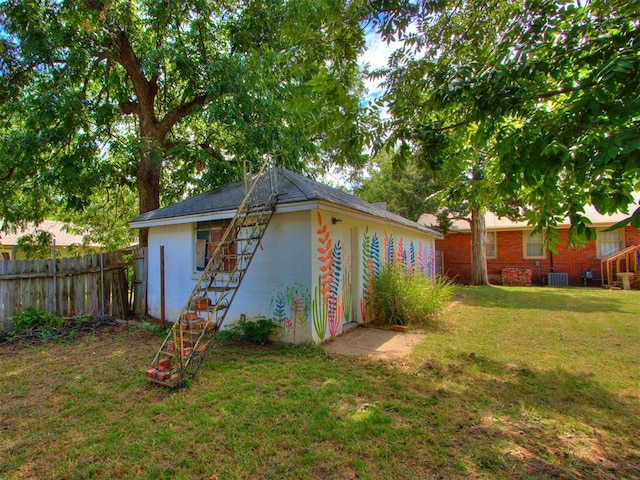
(533, 245)
(208, 236)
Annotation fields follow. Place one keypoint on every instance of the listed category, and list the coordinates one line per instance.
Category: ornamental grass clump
(403, 298)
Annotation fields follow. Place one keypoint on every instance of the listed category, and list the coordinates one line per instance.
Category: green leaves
(548, 90)
(95, 90)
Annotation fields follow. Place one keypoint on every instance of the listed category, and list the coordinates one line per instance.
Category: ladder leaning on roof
(185, 347)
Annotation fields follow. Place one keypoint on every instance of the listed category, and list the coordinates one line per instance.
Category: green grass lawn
(511, 383)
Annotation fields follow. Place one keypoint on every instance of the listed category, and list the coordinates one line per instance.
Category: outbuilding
(313, 266)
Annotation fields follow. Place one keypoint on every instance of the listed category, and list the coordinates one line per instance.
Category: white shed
(311, 270)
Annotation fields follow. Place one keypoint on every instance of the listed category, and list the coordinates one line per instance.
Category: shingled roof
(292, 188)
(58, 231)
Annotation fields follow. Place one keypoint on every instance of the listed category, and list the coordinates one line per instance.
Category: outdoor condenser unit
(558, 279)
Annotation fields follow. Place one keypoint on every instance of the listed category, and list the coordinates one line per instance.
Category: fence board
(139, 287)
(81, 286)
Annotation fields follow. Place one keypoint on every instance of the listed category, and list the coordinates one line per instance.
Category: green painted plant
(320, 311)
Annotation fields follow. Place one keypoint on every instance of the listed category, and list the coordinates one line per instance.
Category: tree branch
(144, 89)
(519, 101)
(180, 112)
(453, 126)
(130, 108)
(213, 152)
(9, 175)
(555, 93)
(95, 5)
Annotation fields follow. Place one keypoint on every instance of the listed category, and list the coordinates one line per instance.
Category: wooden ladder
(185, 347)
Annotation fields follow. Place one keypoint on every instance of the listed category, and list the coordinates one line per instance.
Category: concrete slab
(374, 342)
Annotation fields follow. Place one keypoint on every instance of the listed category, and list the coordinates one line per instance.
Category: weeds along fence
(89, 285)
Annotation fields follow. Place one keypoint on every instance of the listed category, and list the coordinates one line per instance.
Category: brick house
(515, 256)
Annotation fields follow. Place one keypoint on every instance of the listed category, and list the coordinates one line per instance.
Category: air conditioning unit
(558, 279)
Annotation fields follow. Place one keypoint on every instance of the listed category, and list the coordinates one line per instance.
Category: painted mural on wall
(291, 307)
(418, 258)
(332, 295)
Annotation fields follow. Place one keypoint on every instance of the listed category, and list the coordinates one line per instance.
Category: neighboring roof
(494, 222)
(292, 187)
(56, 229)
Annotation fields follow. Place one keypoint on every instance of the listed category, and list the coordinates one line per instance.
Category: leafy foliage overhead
(553, 88)
(168, 98)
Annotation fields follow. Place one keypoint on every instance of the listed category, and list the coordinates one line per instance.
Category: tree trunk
(479, 275)
(148, 181)
(148, 169)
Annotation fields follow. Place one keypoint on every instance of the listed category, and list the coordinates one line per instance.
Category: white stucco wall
(348, 260)
(179, 246)
(309, 274)
(282, 261)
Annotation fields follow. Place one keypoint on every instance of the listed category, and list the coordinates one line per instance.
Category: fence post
(102, 283)
(55, 281)
(162, 299)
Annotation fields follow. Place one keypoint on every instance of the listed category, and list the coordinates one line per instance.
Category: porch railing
(624, 261)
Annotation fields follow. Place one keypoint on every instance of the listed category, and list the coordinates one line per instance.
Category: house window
(533, 244)
(609, 242)
(491, 246)
(208, 236)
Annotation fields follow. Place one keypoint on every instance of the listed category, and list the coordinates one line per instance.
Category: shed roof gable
(291, 187)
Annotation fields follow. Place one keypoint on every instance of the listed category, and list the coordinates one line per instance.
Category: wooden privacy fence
(138, 292)
(90, 285)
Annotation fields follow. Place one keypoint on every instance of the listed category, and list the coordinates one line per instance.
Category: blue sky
(375, 56)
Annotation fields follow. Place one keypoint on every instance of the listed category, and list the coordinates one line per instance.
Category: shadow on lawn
(522, 423)
(468, 418)
(555, 299)
(299, 413)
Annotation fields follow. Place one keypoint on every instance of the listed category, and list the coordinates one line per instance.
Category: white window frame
(526, 236)
(493, 235)
(600, 232)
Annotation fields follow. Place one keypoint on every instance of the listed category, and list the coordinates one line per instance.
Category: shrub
(403, 298)
(33, 323)
(255, 331)
(31, 318)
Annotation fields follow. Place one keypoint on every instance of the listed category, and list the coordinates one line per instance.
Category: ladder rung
(213, 289)
(246, 239)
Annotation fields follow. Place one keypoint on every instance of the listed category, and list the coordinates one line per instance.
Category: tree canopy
(164, 98)
(551, 90)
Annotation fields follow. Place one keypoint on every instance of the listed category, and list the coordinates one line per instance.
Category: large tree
(550, 89)
(166, 96)
(464, 187)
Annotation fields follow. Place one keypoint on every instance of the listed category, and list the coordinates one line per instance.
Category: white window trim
(622, 242)
(526, 234)
(494, 234)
